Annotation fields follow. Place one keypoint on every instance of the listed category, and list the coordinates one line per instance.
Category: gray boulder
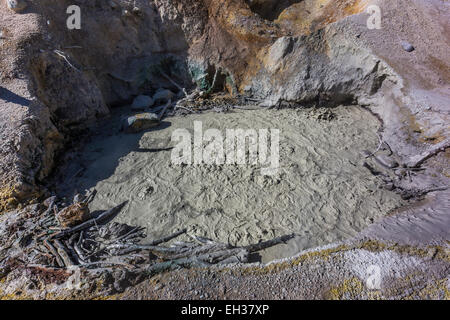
(140, 122)
(408, 47)
(142, 102)
(163, 95)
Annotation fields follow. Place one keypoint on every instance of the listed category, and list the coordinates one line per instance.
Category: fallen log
(68, 262)
(81, 257)
(197, 251)
(417, 193)
(163, 112)
(418, 160)
(158, 251)
(220, 256)
(54, 252)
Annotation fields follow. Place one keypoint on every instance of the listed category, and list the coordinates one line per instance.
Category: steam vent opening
(320, 191)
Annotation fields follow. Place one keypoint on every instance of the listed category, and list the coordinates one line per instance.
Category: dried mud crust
(321, 192)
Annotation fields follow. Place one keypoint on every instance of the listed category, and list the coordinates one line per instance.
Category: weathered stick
(408, 194)
(421, 158)
(152, 246)
(173, 82)
(163, 112)
(105, 262)
(380, 139)
(62, 55)
(168, 238)
(52, 249)
(245, 108)
(158, 251)
(198, 251)
(80, 254)
(63, 254)
(184, 108)
(91, 196)
(125, 236)
(43, 267)
(270, 243)
(214, 82)
(221, 255)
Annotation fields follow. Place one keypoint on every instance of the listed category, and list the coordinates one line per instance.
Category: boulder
(142, 102)
(140, 122)
(278, 51)
(73, 215)
(408, 47)
(163, 95)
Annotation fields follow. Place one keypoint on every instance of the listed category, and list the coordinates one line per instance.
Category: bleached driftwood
(419, 159)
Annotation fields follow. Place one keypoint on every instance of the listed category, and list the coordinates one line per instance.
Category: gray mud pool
(321, 191)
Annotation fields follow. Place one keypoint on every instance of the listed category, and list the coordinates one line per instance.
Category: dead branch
(62, 55)
(168, 238)
(63, 254)
(418, 160)
(270, 243)
(184, 108)
(52, 249)
(161, 115)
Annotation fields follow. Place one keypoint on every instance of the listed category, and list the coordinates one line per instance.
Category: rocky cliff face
(54, 81)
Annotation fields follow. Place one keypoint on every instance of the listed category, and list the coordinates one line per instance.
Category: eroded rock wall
(29, 138)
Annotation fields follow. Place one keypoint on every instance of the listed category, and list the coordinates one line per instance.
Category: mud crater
(322, 193)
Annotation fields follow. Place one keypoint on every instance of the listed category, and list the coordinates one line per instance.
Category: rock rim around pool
(140, 122)
(142, 102)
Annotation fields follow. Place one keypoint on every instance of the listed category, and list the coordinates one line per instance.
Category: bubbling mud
(321, 191)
